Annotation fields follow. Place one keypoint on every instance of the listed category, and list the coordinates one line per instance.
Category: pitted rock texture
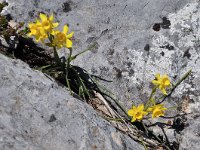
(191, 136)
(37, 114)
(124, 32)
(135, 40)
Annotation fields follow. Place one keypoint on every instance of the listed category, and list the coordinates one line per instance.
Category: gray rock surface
(135, 40)
(37, 114)
(129, 51)
(191, 136)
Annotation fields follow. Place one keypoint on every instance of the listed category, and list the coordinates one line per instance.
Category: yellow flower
(35, 30)
(47, 23)
(137, 113)
(41, 29)
(162, 82)
(62, 39)
(157, 110)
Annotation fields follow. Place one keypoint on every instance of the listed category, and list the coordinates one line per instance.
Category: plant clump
(84, 85)
(80, 82)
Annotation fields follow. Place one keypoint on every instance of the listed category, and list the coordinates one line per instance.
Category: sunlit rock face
(134, 41)
(37, 114)
(133, 38)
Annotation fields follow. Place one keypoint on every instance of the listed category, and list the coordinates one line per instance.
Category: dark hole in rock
(187, 54)
(175, 76)
(131, 72)
(156, 27)
(129, 64)
(169, 47)
(178, 124)
(8, 17)
(66, 7)
(28, 52)
(166, 23)
(52, 118)
(118, 73)
(162, 53)
(147, 47)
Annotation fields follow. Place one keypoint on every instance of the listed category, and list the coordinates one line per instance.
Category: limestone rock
(190, 139)
(135, 40)
(37, 114)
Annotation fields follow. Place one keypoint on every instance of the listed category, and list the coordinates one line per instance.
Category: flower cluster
(138, 113)
(44, 28)
(156, 110)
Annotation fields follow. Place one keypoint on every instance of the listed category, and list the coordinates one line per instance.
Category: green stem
(70, 56)
(151, 95)
(89, 48)
(55, 53)
(68, 84)
(81, 83)
(67, 70)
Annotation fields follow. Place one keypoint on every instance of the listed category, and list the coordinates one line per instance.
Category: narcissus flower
(137, 113)
(162, 82)
(62, 39)
(35, 30)
(157, 110)
(41, 29)
(47, 23)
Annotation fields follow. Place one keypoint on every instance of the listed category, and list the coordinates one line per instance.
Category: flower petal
(133, 119)
(51, 18)
(155, 82)
(131, 112)
(141, 107)
(43, 17)
(70, 35)
(140, 117)
(55, 24)
(69, 43)
(65, 29)
(167, 83)
(158, 76)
